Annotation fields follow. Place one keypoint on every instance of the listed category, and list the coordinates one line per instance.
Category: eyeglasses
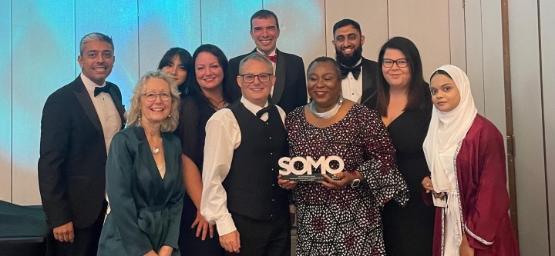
(402, 63)
(151, 96)
(262, 77)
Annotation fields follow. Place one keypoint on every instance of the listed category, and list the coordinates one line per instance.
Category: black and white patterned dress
(345, 221)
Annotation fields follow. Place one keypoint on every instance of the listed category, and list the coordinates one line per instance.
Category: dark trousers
(85, 242)
(264, 238)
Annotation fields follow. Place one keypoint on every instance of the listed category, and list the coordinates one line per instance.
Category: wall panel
(301, 32)
(119, 20)
(6, 102)
(547, 36)
(457, 37)
(528, 128)
(166, 24)
(475, 51)
(43, 40)
(226, 23)
(372, 17)
(494, 85)
(426, 23)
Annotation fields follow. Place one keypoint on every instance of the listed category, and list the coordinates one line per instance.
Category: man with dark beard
(358, 74)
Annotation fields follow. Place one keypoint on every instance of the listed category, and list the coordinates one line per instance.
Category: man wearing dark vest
(243, 144)
(289, 90)
(358, 74)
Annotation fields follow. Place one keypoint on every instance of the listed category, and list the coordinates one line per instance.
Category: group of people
(195, 170)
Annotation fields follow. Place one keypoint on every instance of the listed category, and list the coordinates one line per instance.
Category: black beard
(348, 61)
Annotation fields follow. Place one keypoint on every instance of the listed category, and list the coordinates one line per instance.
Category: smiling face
(445, 94)
(256, 91)
(176, 70)
(156, 101)
(208, 71)
(324, 85)
(347, 40)
(264, 33)
(395, 76)
(96, 60)
(348, 45)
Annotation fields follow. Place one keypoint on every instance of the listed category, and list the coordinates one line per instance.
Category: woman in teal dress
(143, 175)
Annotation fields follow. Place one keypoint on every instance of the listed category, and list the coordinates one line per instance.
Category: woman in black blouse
(405, 105)
(205, 96)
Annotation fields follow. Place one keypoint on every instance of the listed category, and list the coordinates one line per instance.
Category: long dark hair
(419, 93)
(222, 60)
(186, 62)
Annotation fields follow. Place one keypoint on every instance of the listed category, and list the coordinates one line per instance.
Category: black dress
(409, 230)
(194, 113)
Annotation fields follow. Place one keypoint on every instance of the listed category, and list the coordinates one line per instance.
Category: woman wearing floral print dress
(341, 216)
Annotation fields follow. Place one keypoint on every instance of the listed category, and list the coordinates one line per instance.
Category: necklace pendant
(155, 150)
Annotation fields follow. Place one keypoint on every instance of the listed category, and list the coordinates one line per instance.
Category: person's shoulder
(130, 130)
(115, 86)
(221, 115)
(237, 59)
(295, 113)
(290, 56)
(363, 110)
(484, 126)
(280, 111)
(112, 84)
(368, 62)
(65, 91)
(125, 135)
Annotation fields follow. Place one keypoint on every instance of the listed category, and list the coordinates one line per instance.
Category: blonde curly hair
(134, 114)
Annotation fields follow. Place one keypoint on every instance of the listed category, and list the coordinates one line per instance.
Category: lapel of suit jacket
(279, 86)
(85, 100)
(368, 88)
(116, 98)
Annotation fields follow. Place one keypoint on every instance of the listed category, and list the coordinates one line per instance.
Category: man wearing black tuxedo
(358, 73)
(78, 123)
(289, 90)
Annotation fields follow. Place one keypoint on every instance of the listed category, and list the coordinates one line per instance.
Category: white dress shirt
(351, 87)
(223, 136)
(105, 109)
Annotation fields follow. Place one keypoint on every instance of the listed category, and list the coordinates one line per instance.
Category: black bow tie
(345, 71)
(264, 110)
(98, 90)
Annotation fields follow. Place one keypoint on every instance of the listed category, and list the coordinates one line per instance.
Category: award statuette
(306, 169)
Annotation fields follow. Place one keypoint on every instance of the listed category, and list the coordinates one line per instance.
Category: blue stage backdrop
(39, 45)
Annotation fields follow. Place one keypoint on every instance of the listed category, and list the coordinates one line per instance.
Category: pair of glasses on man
(402, 63)
(262, 77)
(152, 96)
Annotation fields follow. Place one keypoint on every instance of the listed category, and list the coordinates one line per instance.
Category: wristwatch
(355, 183)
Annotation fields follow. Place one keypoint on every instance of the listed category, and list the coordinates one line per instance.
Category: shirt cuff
(225, 224)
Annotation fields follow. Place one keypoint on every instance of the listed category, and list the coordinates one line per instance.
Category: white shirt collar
(89, 84)
(273, 53)
(251, 106)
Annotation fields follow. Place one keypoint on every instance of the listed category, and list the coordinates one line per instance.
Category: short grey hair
(256, 56)
(93, 37)
(134, 114)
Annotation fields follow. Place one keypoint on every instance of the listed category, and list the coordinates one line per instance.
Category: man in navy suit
(78, 123)
(358, 74)
(289, 90)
